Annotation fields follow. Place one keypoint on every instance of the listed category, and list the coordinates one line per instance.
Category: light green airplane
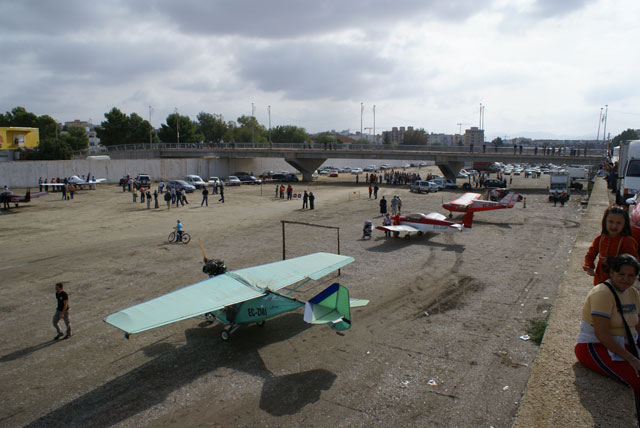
(248, 296)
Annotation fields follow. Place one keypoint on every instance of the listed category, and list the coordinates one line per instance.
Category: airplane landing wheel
(224, 335)
(407, 236)
(419, 233)
(260, 323)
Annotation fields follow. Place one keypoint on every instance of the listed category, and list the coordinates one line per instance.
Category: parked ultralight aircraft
(469, 202)
(16, 199)
(248, 296)
(80, 182)
(421, 223)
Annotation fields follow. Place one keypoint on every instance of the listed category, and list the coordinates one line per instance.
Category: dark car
(284, 177)
(248, 179)
(494, 183)
(180, 185)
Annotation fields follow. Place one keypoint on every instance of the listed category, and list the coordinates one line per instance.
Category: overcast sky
(541, 68)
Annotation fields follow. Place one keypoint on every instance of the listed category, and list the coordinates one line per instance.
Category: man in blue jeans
(178, 231)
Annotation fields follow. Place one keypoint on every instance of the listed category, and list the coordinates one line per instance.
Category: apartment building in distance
(474, 136)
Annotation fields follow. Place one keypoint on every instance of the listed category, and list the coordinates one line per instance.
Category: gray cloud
(313, 70)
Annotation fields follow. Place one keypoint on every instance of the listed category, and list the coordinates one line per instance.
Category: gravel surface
(438, 345)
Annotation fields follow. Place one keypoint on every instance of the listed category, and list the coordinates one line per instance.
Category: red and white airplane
(469, 203)
(422, 223)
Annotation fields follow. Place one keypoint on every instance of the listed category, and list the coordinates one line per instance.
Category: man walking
(62, 312)
(205, 196)
(221, 193)
(305, 200)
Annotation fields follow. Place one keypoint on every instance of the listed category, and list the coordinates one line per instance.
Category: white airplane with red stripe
(469, 202)
(421, 223)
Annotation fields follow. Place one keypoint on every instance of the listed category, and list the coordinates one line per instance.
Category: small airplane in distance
(421, 223)
(248, 296)
(469, 202)
(12, 198)
(80, 182)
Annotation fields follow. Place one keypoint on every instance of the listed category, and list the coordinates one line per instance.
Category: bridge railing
(526, 150)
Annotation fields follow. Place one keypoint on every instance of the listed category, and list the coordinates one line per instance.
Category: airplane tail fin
(467, 220)
(27, 196)
(88, 176)
(331, 307)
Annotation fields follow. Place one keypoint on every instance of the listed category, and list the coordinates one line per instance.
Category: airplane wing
(398, 228)
(224, 290)
(465, 199)
(53, 184)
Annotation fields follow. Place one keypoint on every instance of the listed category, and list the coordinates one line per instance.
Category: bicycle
(185, 237)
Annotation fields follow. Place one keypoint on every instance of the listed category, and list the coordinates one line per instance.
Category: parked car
(493, 183)
(423, 187)
(345, 169)
(142, 180)
(284, 177)
(180, 185)
(444, 183)
(370, 168)
(333, 173)
(248, 179)
(213, 180)
(195, 180)
(232, 180)
(356, 171)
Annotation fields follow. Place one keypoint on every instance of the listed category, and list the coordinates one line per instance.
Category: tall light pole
(599, 123)
(150, 126)
(269, 110)
(361, 111)
(375, 140)
(177, 126)
(604, 133)
(253, 120)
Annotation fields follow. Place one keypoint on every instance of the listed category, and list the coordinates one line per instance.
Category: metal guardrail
(526, 150)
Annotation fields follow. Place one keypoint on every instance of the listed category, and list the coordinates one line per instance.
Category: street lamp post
(361, 111)
(253, 120)
(177, 126)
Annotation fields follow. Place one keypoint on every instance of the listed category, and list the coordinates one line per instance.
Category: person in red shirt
(615, 239)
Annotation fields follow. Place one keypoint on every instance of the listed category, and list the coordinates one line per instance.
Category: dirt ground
(438, 345)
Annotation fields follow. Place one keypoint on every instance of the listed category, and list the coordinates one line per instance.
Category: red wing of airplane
(469, 202)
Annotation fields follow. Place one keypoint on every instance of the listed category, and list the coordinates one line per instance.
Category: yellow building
(13, 138)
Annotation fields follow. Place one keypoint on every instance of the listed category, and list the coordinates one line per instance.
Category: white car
(195, 181)
(356, 171)
(232, 180)
(213, 180)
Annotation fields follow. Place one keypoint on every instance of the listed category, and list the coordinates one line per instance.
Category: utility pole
(177, 126)
(253, 120)
(150, 126)
(480, 120)
(374, 124)
(599, 123)
(269, 110)
(459, 128)
(604, 132)
(361, 111)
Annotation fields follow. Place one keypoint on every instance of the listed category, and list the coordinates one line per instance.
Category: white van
(195, 181)
(629, 166)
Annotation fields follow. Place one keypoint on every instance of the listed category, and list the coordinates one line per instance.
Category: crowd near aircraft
(470, 203)
(248, 296)
(421, 223)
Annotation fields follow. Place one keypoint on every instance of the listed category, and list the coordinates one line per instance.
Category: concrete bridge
(308, 157)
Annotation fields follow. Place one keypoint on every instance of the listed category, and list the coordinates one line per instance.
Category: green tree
(415, 138)
(115, 129)
(289, 134)
(21, 117)
(386, 138)
(247, 130)
(48, 127)
(212, 126)
(629, 134)
(325, 138)
(52, 149)
(76, 138)
(183, 124)
(139, 130)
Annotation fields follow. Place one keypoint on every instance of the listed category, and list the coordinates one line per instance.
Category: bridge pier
(450, 169)
(305, 165)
